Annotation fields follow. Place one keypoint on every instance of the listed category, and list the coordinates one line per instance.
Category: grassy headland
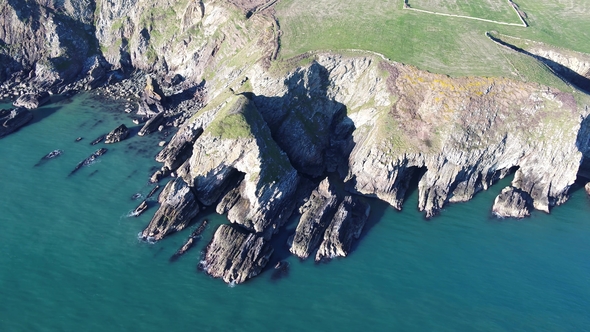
(448, 45)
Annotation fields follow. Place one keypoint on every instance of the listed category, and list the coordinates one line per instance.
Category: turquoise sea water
(70, 259)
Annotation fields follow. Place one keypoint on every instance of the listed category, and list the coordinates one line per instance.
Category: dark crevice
(563, 72)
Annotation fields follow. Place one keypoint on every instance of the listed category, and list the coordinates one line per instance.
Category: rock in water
(512, 202)
(235, 255)
(12, 120)
(53, 154)
(152, 124)
(140, 209)
(178, 207)
(98, 140)
(153, 191)
(117, 135)
(347, 224)
(316, 215)
(89, 160)
(32, 100)
(587, 187)
(190, 242)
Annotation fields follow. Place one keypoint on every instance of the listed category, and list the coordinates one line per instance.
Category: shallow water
(71, 259)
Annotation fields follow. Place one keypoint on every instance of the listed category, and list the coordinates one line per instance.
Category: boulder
(117, 135)
(32, 100)
(235, 255)
(152, 124)
(587, 187)
(513, 203)
(12, 120)
(152, 92)
(178, 207)
(316, 215)
(347, 224)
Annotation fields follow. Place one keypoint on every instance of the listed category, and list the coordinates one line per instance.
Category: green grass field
(448, 45)
(497, 10)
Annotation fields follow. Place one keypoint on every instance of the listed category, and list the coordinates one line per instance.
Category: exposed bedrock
(347, 225)
(32, 100)
(178, 207)
(512, 202)
(117, 135)
(235, 255)
(152, 124)
(13, 119)
(237, 141)
(316, 214)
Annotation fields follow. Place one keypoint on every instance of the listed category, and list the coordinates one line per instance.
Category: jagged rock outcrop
(117, 135)
(152, 93)
(152, 125)
(513, 203)
(347, 224)
(234, 255)
(178, 207)
(316, 214)
(238, 141)
(14, 119)
(32, 100)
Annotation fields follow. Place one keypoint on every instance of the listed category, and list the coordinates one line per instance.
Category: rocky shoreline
(303, 142)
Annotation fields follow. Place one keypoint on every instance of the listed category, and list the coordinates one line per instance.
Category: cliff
(271, 131)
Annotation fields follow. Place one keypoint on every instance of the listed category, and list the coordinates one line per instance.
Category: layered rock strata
(346, 226)
(178, 207)
(316, 214)
(234, 255)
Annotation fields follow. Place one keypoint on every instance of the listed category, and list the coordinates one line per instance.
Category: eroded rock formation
(117, 135)
(32, 100)
(234, 255)
(347, 224)
(316, 214)
(178, 207)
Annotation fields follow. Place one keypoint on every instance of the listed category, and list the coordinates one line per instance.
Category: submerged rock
(88, 161)
(98, 140)
(347, 224)
(12, 120)
(316, 214)
(190, 242)
(117, 135)
(32, 100)
(178, 207)
(235, 255)
(512, 202)
(53, 154)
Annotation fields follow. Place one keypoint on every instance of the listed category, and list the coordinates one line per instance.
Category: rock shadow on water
(378, 208)
(42, 113)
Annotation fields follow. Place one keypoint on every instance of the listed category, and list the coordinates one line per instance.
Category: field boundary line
(523, 24)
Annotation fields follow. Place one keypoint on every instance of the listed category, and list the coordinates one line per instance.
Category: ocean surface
(70, 259)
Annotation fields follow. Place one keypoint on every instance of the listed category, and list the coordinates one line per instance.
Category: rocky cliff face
(269, 130)
(50, 43)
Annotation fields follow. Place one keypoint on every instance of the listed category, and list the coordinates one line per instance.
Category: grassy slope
(452, 46)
